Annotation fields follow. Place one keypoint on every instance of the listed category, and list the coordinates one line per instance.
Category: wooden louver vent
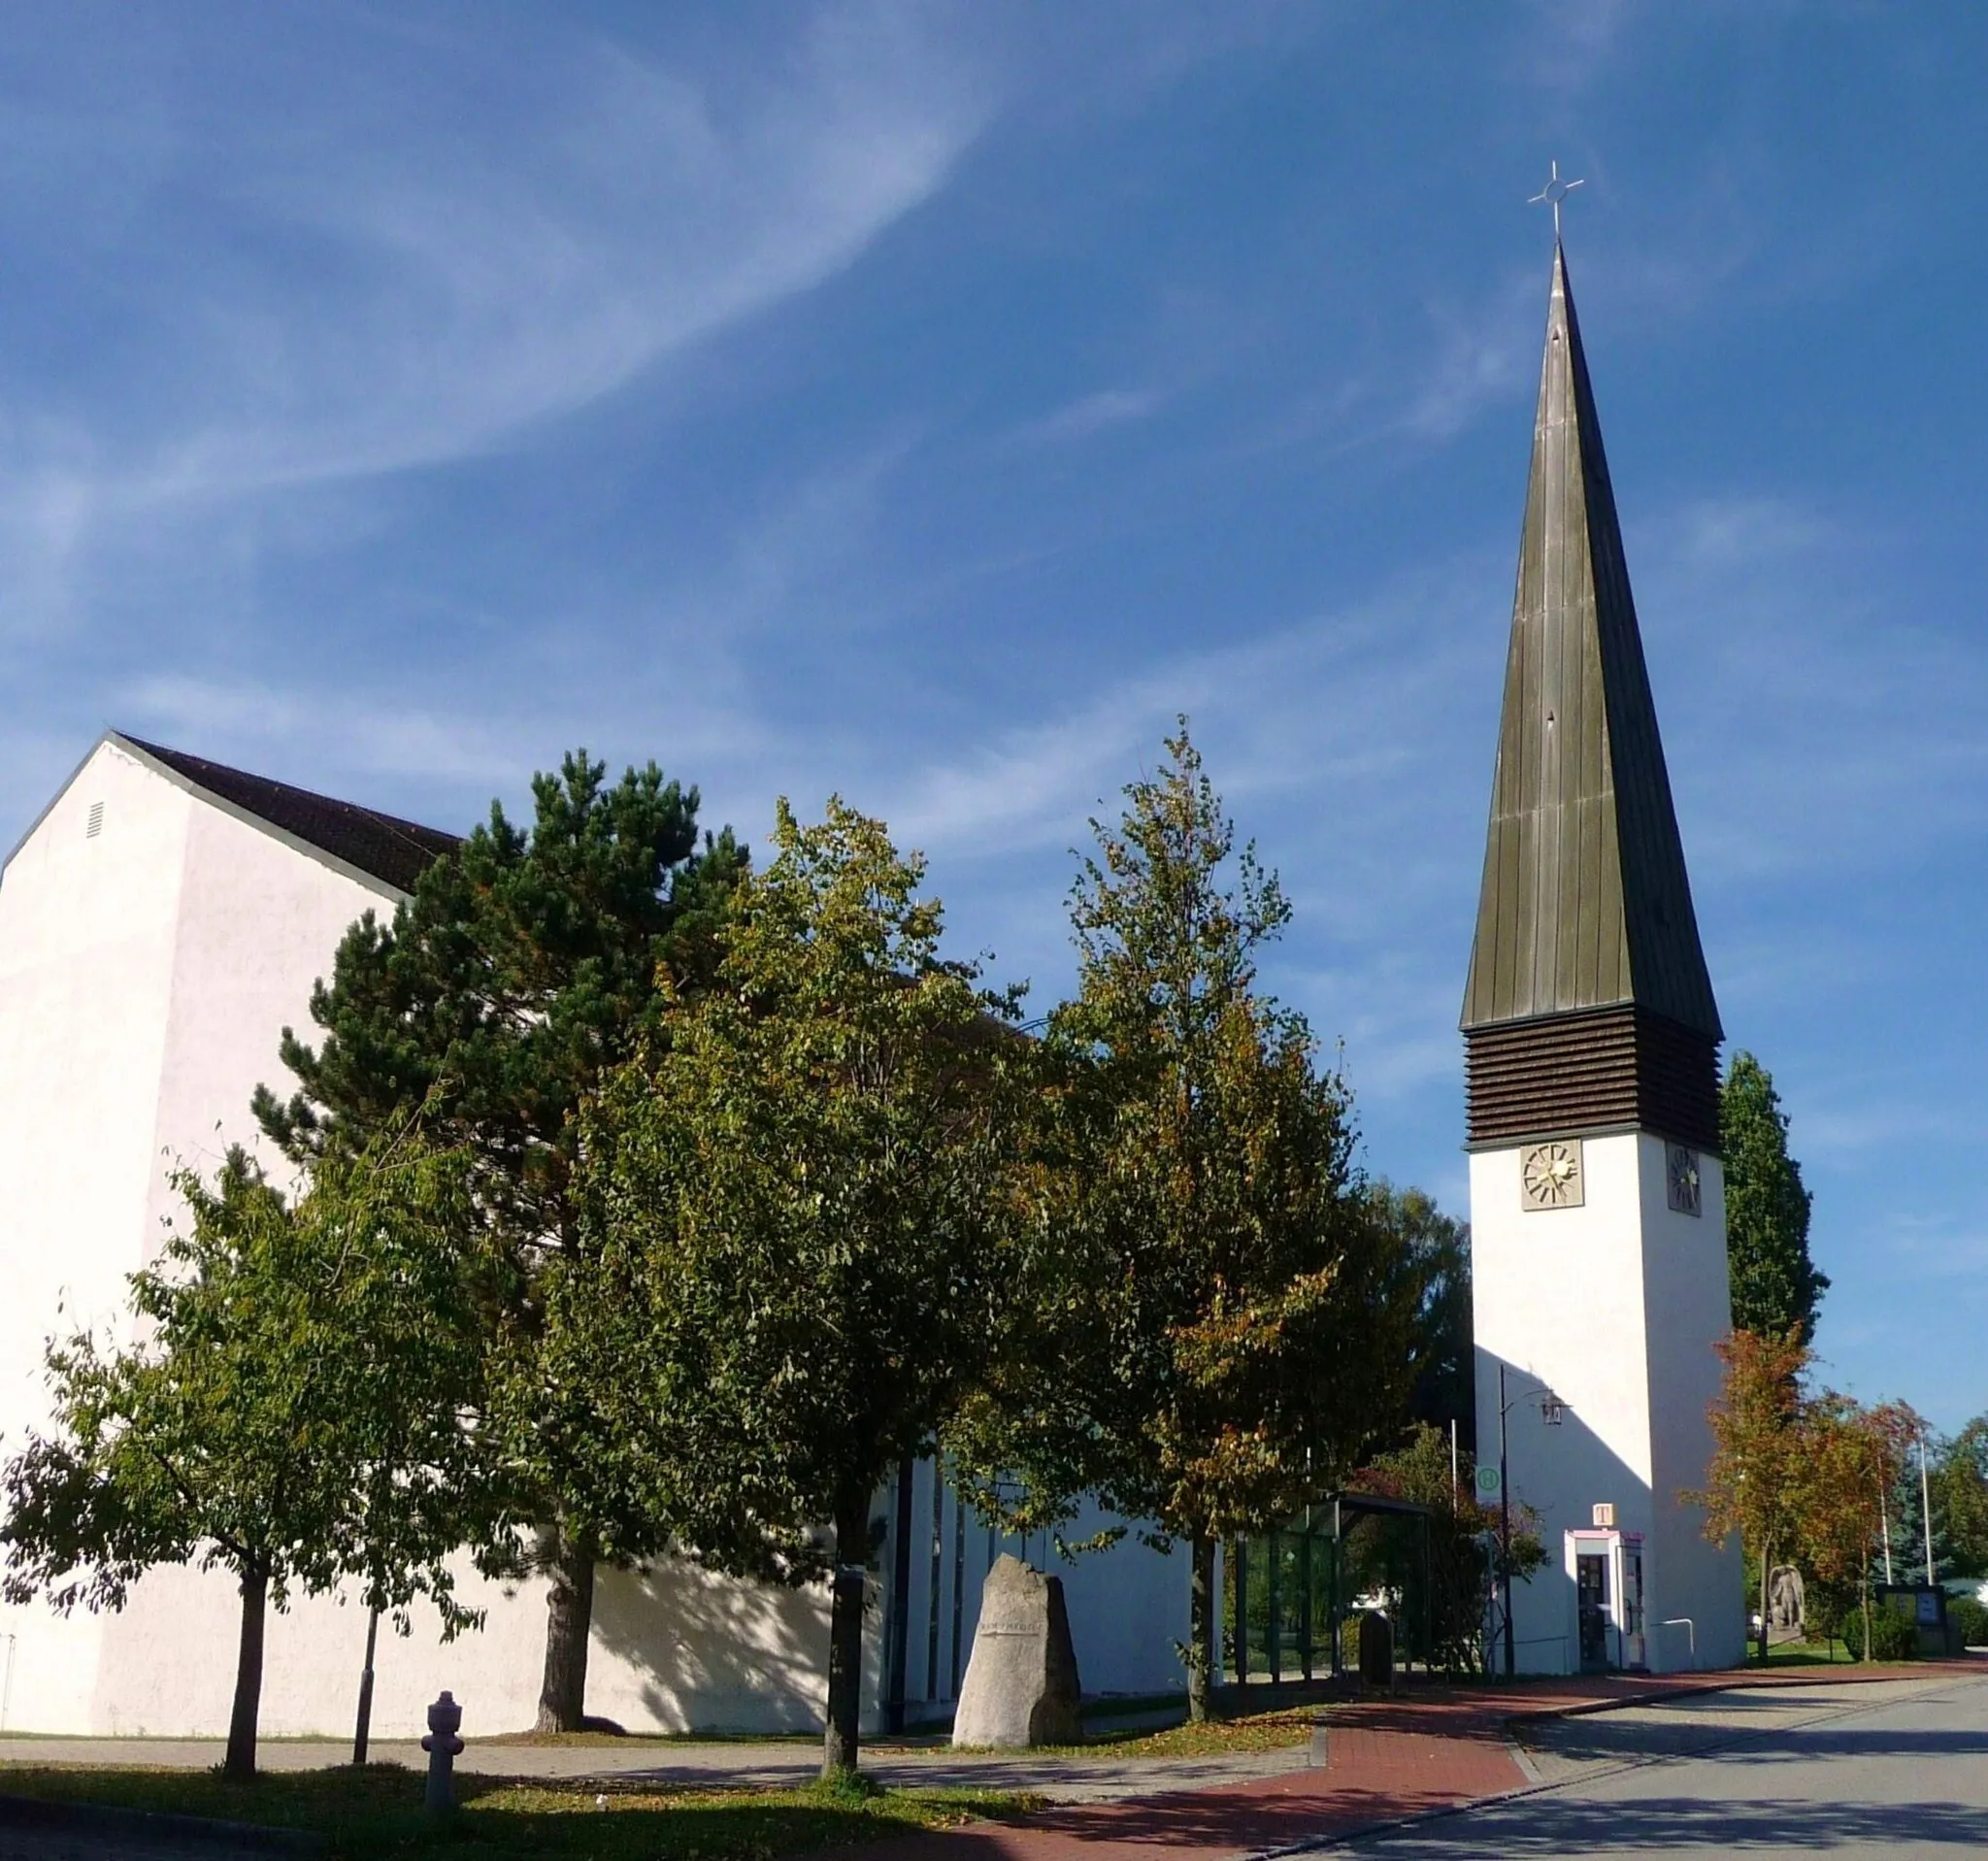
(96, 820)
(1607, 1068)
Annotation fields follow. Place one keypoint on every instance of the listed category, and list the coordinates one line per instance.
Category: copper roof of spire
(1585, 902)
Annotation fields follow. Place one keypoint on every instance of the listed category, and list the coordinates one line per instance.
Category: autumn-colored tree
(1219, 1327)
(1755, 1484)
(1852, 1457)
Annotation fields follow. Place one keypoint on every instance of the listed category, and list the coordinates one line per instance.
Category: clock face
(1683, 1177)
(1549, 1175)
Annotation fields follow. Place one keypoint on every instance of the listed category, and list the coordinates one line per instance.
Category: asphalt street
(1842, 1774)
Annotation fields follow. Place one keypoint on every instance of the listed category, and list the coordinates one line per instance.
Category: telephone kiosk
(1606, 1568)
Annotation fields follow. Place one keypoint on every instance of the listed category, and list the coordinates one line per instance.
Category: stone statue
(1786, 1602)
(1021, 1685)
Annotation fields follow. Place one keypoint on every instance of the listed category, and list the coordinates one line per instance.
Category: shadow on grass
(377, 1811)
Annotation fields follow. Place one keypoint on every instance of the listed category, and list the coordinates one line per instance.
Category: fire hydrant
(444, 1719)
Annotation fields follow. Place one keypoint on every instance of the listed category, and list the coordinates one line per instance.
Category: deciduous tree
(1463, 1547)
(1852, 1456)
(1757, 1483)
(802, 1196)
(1220, 1325)
(1959, 1500)
(298, 1409)
(523, 967)
(1436, 1252)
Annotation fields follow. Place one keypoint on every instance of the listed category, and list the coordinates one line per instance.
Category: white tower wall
(1613, 1305)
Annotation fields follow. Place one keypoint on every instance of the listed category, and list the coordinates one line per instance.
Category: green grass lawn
(1802, 1654)
(377, 1812)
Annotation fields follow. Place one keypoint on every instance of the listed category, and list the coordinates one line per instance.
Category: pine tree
(1776, 1285)
(523, 968)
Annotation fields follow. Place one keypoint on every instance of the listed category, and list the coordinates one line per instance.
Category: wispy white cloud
(1089, 414)
(329, 305)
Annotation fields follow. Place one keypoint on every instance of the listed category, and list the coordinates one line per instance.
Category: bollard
(444, 1719)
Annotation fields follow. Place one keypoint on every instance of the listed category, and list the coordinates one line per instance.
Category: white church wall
(146, 972)
(258, 924)
(87, 929)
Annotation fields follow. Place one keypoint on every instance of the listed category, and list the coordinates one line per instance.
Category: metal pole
(1241, 1612)
(1504, 1531)
(1304, 1624)
(1452, 1461)
(1926, 1514)
(362, 1726)
(1884, 1525)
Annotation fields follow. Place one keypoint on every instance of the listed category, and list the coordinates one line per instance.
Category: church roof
(390, 849)
(1586, 901)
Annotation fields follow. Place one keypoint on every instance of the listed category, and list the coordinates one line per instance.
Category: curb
(157, 1825)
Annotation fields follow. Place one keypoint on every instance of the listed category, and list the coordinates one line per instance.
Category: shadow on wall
(1563, 1470)
(694, 1652)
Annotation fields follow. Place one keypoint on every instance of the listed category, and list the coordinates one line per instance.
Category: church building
(1591, 1060)
(160, 923)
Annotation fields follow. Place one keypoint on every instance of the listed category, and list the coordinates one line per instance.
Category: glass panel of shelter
(1283, 1609)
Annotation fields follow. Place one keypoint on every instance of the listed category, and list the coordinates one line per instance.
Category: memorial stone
(1022, 1686)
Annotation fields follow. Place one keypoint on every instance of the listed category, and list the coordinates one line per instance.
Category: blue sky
(927, 402)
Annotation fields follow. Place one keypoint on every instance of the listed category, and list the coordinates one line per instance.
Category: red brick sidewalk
(1390, 1759)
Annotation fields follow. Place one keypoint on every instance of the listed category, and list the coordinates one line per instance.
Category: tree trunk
(840, 1743)
(240, 1762)
(1200, 1584)
(1764, 1591)
(569, 1623)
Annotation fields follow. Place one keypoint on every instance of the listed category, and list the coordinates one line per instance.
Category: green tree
(299, 1411)
(522, 968)
(1462, 1547)
(1220, 1326)
(1776, 1285)
(1959, 1500)
(1436, 1252)
(801, 1196)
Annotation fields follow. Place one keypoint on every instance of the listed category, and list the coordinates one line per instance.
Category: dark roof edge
(296, 843)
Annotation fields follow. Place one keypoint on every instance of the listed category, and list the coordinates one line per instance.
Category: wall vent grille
(96, 820)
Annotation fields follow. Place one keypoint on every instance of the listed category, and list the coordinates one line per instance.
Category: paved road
(1895, 1771)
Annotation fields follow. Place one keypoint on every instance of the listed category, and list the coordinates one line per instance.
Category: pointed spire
(1585, 902)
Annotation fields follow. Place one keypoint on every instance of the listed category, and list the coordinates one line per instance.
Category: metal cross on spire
(1553, 193)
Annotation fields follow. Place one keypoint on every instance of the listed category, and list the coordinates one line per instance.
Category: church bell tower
(1591, 1061)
